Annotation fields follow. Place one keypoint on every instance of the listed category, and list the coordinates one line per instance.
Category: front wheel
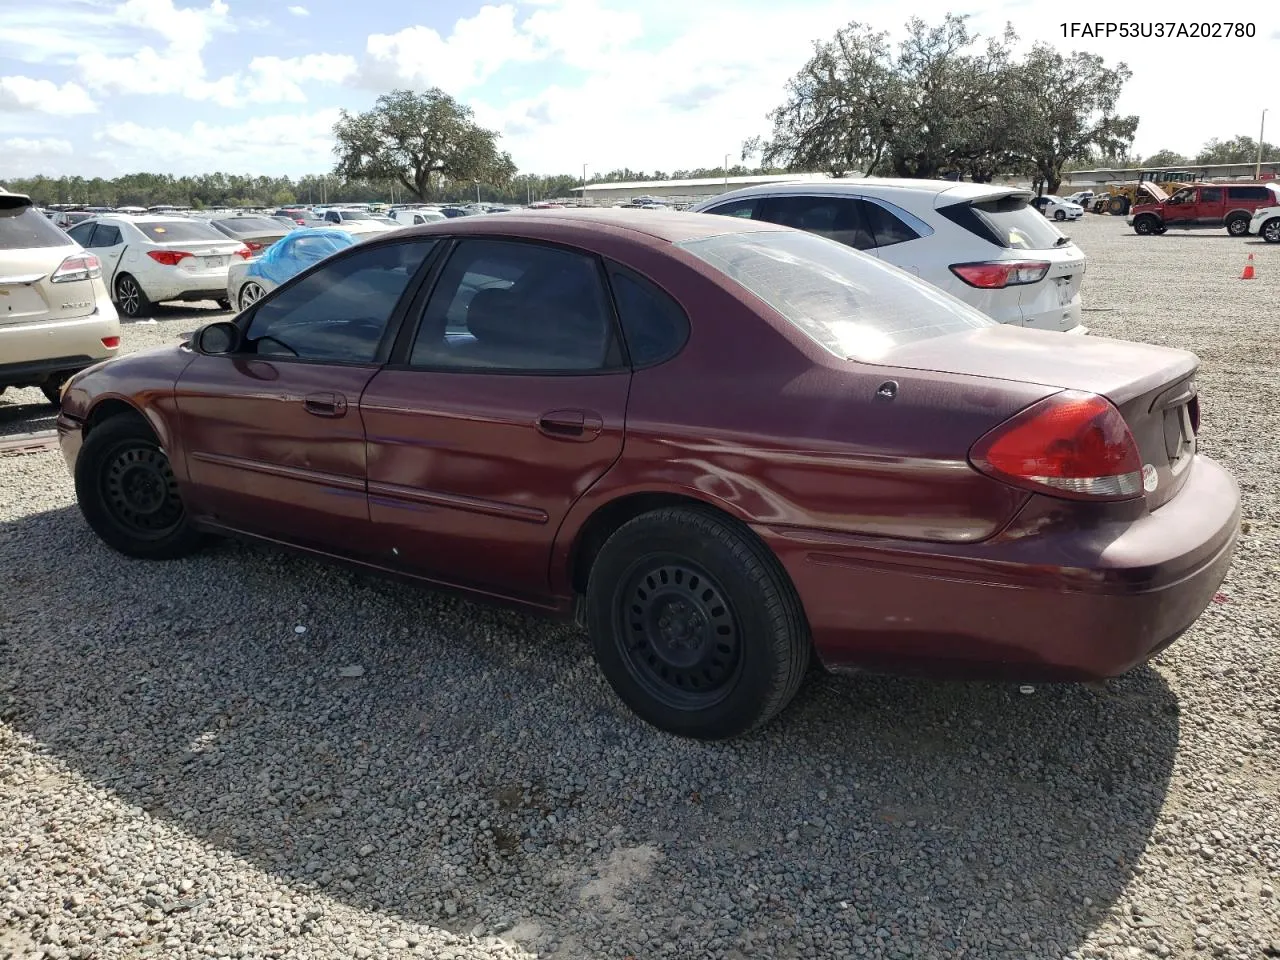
(128, 493)
(1270, 231)
(695, 624)
(1059, 215)
(1238, 226)
(1145, 226)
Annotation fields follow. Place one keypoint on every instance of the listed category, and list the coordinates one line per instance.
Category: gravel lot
(185, 770)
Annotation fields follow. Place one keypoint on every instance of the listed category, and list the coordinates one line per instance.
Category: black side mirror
(217, 339)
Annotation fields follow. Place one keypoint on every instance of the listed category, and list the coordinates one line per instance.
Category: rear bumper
(33, 351)
(1081, 605)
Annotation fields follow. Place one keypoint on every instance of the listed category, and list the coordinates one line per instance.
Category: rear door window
(887, 227)
(836, 218)
(653, 325)
(105, 236)
(1210, 194)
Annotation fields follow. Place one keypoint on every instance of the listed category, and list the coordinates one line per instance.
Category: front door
(273, 438)
(1180, 209)
(506, 406)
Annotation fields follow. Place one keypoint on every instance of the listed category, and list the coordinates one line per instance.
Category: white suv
(984, 244)
(1265, 223)
(146, 260)
(55, 315)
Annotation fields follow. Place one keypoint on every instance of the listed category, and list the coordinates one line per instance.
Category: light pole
(584, 184)
(726, 171)
(477, 183)
(1257, 169)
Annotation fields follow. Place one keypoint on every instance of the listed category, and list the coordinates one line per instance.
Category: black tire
(1146, 225)
(1059, 215)
(1270, 231)
(128, 494)
(739, 645)
(1119, 206)
(1238, 226)
(130, 298)
(224, 303)
(1161, 229)
(52, 388)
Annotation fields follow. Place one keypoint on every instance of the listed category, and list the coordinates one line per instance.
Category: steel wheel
(1271, 231)
(139, 490)
(250, 294)
(681, 641)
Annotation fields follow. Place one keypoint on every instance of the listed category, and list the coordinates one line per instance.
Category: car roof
(672, 227)
(946, 192)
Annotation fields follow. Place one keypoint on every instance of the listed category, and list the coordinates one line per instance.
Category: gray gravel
(184, 771)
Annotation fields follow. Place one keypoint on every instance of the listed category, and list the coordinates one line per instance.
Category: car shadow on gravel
(25, 411)
(478, 775)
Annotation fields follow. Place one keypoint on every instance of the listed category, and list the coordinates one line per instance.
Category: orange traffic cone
(1248, 269)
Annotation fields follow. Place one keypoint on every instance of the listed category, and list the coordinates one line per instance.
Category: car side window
(106, 236)
(340, 312)
(886, 226)
(653, 325)
(1210, 194)
(80, 233)
(838, 218)
(518, 307)
(745, 208)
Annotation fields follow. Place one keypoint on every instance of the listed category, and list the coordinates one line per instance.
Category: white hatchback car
(151, 259)
(982, 243)
(1265, 223)
(55, 315)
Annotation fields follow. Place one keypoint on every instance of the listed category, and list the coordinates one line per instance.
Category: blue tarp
(297, 250)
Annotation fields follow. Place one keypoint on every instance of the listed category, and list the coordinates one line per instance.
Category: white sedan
(1056, 208)
(148, 260)
(358, 222)
(1266, 224)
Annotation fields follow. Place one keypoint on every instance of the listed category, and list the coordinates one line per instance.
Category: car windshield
(243, 225)
(849, 303)
(23, 227)
(179, 231)
(1018, 224)
(354, 215)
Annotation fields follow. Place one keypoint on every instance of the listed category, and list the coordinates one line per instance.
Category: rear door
(273, 436)
(106, 242)
(1211, 207)
(504, 407)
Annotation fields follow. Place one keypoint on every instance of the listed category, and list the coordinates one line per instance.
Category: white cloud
(186, 29)
(44, 96)
(27, 157)
(300, 11)
(275, 144)
(276, 80)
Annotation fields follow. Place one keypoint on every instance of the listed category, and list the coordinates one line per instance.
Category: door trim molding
(396, 495)
(281, 470)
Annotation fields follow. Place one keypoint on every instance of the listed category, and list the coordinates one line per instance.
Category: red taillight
(245, 251)
(254, 247)
(78, 266)
(111, 342)
(1073, 444)
(169, 258)
(301, 223)
(997, 274)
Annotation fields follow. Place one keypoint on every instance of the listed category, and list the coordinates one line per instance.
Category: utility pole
(1257, 169)
(477, 191)
(584, 184)
(726, 171)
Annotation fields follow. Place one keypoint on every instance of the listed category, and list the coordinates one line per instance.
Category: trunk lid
(28, 296)
(1153, 387)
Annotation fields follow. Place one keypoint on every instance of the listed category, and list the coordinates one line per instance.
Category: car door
(893, 230)
(504, 406)
(1211, 208)
(1181, 209)
(272, 434)
(107, 244)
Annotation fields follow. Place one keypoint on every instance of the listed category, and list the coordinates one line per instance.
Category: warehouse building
(679, 192)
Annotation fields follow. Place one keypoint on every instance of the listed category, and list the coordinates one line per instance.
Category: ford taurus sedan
(724, 446)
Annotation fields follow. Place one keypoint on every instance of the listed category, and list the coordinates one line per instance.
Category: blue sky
(103, 87)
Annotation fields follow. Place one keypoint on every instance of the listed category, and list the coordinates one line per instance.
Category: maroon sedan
(720, 445)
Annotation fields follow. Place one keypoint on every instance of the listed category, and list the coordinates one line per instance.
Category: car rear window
(847, 302)
(22, 227)
(243, 225)
(179, 231)
(1008, 221)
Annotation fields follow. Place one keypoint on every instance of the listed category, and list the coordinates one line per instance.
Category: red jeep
(1205, 205)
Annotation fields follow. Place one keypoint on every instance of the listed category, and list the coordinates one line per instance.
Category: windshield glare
(853, 305)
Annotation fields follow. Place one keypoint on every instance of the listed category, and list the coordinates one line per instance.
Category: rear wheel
(130, 298)
(1238, 226)
(1146, 225)
(52, 388)
(695, 624)
(224, 303)
(128, 493)
(1270, 231)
